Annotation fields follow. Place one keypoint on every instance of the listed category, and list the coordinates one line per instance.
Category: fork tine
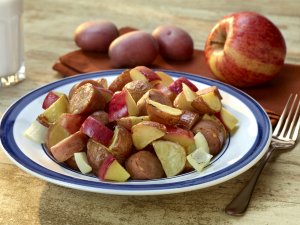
(288, 120)
(297, 127)
(282, 118)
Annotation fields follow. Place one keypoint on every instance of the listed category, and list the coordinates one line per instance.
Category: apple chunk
(36, 132)
(143, 73)
(112, 170)
(97, 130)
(121, 105)
(145, 132)
(228, 119)
(176, 86)
(199, 159)
(50, 98)
(183, 137)
(51, 114)
(171, 155)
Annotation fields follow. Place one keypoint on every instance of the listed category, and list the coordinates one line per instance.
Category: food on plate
(96, 154)
(171, 155)
(174, 42)
(155, 95)
(50, 98)
(66, 148)
(144, 165)
(146, 132)
(97, 130)
(112, 170)
(245, 49)
(143, 73)
(122, 104)
(121, 144)
(86, 99)
(138, 130)
(133, 49)
(137, 88)
(51, 114)
(95, 35)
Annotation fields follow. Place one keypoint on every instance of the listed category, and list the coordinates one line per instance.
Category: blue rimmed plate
(245, 148)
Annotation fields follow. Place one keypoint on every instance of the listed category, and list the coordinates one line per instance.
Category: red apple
(121, 104)
(245, 49)
(50, 98)
(97, 130)
(111, 169)
(176, 86)
(182, 136)
(143, 73)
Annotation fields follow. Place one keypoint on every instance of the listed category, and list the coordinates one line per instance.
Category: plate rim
(153, 189)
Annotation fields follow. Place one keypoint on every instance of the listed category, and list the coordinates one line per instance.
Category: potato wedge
(137, 88)
(121, 145)
(162, 113)
(171, 155)
(129, 121)
(120, 81)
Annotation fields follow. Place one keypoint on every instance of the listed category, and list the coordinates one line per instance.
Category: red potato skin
(65, 149)
(95, 35)
(86, 100)
(144, 165)
(133, 49)
(96, 154)
(174, 42)
(176, 86)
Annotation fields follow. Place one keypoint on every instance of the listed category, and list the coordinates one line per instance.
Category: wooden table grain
(49, 26)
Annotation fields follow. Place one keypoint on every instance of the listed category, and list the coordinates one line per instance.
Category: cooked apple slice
(65, 149)
(162, 113)
(51, 114)
(121, 144)
(121, 105)
(50, 98)
(199, 159)
(36, 132)
(97, 130)
(129, 121)
(165, 78)
(228, 119)
(176, 86)
(181, 136)
(171, 155)
(143, 73)
(145, 132)
(120, 81)
(112, 170)
(82, 162)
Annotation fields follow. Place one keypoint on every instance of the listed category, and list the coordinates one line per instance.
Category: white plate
(241, 151)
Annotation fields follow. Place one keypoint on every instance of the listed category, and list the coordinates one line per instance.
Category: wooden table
(49, 25)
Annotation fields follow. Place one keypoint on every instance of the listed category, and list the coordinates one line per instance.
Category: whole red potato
(95, 35)
(133, 49)
(174, 42)
(245, 49)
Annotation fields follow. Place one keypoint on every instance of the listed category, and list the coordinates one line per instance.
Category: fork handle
(239, 204)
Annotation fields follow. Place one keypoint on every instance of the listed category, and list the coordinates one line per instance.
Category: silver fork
(284, 137)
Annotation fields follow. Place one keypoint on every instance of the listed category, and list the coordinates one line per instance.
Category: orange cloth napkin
(272, 96)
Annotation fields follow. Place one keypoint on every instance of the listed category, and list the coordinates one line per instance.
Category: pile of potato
(134, 48)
